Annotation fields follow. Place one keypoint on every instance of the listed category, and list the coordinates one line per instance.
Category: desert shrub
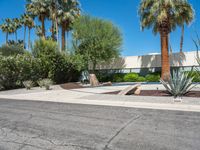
(131, 77)
(57, 66)
(153, 77)
(16, 69)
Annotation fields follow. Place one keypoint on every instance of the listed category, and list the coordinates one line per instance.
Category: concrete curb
(159, 106)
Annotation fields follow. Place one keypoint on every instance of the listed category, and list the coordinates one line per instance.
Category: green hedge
(45, 62)
(129, 77)
(16, 69)
(153, 77)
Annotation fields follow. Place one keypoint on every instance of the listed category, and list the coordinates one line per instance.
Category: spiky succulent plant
(28, 84)
(47, 83)
(179, 83)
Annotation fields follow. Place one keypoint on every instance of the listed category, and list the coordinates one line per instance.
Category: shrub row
(16, 69)
(44, 62)
(130, 77)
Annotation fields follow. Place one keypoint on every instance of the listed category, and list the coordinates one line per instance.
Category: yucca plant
(28, 84)
(179, 84)
(47, 83)
(40, 83)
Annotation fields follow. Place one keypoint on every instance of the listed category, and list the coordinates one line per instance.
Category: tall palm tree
(68, 12)
(16, 25)
(40, 9)
(164, 16)
(53, 17)
(8, 28)
(28, 22)
(5, 29)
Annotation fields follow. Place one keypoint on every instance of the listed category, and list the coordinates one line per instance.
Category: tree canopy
(98, 40)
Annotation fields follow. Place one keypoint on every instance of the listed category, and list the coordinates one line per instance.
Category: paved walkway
(94, 96)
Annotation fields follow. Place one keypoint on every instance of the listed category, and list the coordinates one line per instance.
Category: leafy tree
(96, 39)
(164, 16)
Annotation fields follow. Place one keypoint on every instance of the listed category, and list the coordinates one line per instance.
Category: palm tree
(53, 17)
(69, 11)
(8, 28)
(27, 21)
(16, 25)
(5, 29)
(164, 16)
(39, 8)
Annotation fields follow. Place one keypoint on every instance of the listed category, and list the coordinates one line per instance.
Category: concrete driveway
(34, 125)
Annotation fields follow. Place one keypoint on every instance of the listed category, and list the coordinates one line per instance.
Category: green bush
(131, 77)
(16, 69)
(141, 79)
(119, 77)
(57, 66)
(46, 62)
(10, 50)
(153, 77)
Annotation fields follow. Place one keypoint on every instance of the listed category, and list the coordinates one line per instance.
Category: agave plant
(179, 83)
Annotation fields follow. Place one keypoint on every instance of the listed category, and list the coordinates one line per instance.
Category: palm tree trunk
(165, 74)
(63, 37)
(24, 36)
(6, 38)
(52, 30)
(43, 26)
(67, 39)
(29, 39)
(182, 39)
(16, 36)
(181, 45)
(57, 33)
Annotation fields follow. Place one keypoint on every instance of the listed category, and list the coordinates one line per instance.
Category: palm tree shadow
(152, 63)
(177, 59)
(149, 63)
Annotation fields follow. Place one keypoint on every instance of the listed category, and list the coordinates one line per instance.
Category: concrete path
(32, 125)
(94, 96)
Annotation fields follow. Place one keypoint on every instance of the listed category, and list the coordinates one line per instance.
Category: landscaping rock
(138, 90)
(107, 84)
(93, 80)
(133, 89)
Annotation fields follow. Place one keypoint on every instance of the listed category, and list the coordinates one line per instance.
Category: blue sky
(123, 13)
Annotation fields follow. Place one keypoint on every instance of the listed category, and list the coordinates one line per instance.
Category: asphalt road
(27, 125)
